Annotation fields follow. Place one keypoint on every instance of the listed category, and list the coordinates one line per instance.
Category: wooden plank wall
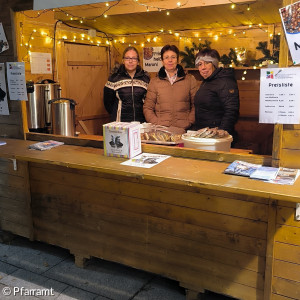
(15, 210)
(286, 265)
(11, 126)
(195, 236)
(252, 134)
(290, 146)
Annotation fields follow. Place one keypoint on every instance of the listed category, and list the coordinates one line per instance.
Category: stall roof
(132, 17)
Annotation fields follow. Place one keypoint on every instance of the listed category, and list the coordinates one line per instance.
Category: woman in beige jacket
(170, 96)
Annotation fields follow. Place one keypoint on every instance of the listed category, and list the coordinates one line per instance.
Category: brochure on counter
(268, 174)
(46, 145)
(145, 160)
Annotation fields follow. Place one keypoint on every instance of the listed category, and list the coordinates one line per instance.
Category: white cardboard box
(122, 139)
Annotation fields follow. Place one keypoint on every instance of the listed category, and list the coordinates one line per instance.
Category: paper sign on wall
(43, 4)
(151, 59)
(40, 63)
(16, 80)
(289, 17)
(3, 94)
(279, 96)
(3, 41)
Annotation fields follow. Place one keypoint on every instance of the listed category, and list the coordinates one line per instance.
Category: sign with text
(3, 41)
(16, 80)
(40, 63)
(289, 17)
(151, 59)
(44, 4)
(279, 96)
(3, 94)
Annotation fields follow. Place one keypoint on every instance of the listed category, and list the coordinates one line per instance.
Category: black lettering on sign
(296, 46)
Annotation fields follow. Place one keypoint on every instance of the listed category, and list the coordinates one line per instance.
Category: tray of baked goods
(160, 135)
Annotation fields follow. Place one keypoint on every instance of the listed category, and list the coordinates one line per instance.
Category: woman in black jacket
(217, 100)
(125, 90)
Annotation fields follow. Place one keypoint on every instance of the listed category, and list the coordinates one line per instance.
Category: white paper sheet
(16, 80)
(289, 17)
(3, 92)
(3, 41)
(40, 63)
(145, 160)
(279, 96)
(151, 59)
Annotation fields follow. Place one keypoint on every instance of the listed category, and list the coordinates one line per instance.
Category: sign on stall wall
(40, 63)
(279, 96)
(44, 4)
(3, 94)
(289, 17)
(151, 59)
(16, 80)
(3, 41)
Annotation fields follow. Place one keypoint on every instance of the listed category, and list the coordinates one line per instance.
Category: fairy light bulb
(167, 13)
(106, 4)
(105, 15)
(107, 42)
(142, 44)
(178, 4)
(232, 6)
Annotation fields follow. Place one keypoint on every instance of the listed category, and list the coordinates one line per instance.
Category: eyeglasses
(131, 58)
(170, 57)
(203, 64)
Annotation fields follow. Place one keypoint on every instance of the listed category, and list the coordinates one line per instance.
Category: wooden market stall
(183, 219)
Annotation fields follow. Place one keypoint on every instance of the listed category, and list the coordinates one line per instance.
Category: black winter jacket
(217, 101)
(124, 96)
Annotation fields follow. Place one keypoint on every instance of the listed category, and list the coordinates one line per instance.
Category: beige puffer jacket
(171, 105)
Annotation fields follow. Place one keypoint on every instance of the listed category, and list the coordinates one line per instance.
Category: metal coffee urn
(52, 91)
(36, 106)
(38, 109)
(63, 116)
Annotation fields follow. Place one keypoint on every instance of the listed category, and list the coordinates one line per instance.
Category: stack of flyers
(265, 173)
(45, 145)
(241, 168)
(286, 176)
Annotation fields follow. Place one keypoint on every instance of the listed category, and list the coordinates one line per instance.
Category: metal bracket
(14, 161)
(297, 214)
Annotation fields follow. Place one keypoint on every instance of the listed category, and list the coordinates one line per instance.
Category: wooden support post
(192, 293)
(270, 249)
(81, 260)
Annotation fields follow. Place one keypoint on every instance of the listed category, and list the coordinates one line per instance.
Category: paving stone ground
(34, 270)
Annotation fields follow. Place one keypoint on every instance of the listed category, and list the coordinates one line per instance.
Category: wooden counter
(183, 219)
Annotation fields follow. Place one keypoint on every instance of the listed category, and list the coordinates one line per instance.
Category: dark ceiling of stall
(206, 17)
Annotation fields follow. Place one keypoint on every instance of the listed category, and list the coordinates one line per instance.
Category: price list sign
(279, 96)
